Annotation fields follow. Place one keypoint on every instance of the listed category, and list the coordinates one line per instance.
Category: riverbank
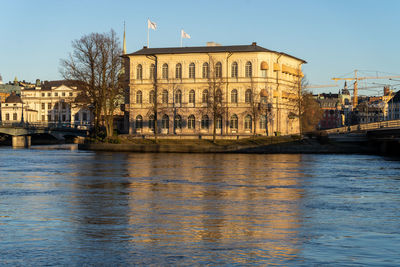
(258, 145)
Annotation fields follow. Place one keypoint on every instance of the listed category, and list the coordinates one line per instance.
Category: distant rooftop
(206, 49)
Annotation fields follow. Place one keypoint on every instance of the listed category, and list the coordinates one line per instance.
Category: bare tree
(95, 62)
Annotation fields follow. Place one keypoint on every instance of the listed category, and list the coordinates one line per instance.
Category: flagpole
(148, 30)
(181, 38)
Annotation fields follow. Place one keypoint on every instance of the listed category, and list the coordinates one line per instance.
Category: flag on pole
(184, 34)
(151, 25)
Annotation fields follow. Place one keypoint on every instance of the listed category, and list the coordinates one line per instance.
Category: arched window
(234, 121)
(139, 97)
(139, 72)
(248, 69)
(248, 96)
(165, 71)
(192, 70)
(206, 70)
(218, 70)
(218, 96)
(152, 97)
(263, 122)
(204, 122)
(234, 70)
(205, 96)
(178, 71)
(234, 96)
(152, 71)
(151, 122)
(218, 122)
(165, 96)
(165, 122)
(178, 122)
(8, 117)
(247, 122)
(178, 97)
(139, 122)
(191, 122)
(192, 96)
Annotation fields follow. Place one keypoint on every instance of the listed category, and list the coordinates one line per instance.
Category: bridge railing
(365, 126)
(45, 125)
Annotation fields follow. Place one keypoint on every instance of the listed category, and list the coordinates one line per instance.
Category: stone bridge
(21, 133)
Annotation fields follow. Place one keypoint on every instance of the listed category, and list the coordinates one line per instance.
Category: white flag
(151, 25)
(184, 34)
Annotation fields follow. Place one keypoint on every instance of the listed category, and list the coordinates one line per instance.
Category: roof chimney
(253, 43)
(145, 46)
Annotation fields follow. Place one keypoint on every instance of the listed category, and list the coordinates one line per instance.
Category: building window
(204, 122)
(178, 71)
(263, 122)
(205, 96)
(43, 105)
(191, 122)
(151, 122)
(152, 71)
(151, 97)
(264, 73)
(234, 122)
(192, 96)
(7, 117)
(48, 94)
(139, 72)
(43, 94)
(248, 70)
(234, 70)
(14, 116)
(49, 117)
(64, 117)
(192, 71)
(70, 94)
(165, 97)
(247, 122)
(218, 96)
(248, 96)
(218, 123)
(43, 117)
(55, 94)
(206, 70)
(139, 122)
(234, 96)
(63, 93)
(218, 70)
(139, 97)
(165, 71)
(178, 122)
(165, 122)
(178, 97)
(84, 116)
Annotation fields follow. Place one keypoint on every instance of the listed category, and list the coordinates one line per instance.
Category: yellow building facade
(244, 90)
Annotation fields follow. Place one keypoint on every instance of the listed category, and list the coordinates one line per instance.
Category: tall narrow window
(151, 122)
(247, 122)
(139, 72)
(263, 122)
(139, 122)
(178, 71)
(14, 116)
(7, 116)
(178, 122)
(234, 96)
(248, 70)
(191, 122)
(205, 96)
(234, 70)
(192, 71)
(206, 70)
(165, 122)
(152, 71)
(139, 97)
(218, 96)
(204, 122)
(234, 121)
(178, 97)
(218, 70)
(165, 71)
(151, 97)
(218, 123)
(165, 97)
(192, 96)
(248, 96)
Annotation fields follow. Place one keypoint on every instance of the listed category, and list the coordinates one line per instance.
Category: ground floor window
(204, 122)
(234, 122)
(191, 122)
(139, 122)
(151, 122)
(178, 122)
(247, 122)
(165, 122)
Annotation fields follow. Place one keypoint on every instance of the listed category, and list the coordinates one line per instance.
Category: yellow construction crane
(356, 79)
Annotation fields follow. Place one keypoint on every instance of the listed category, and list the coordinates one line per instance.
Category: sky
(335, 37)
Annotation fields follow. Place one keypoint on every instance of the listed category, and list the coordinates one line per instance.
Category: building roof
(206, 49)
(13, 98)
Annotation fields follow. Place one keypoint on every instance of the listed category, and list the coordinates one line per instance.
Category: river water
(61, 206)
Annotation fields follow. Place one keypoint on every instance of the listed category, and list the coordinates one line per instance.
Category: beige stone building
(245, 89)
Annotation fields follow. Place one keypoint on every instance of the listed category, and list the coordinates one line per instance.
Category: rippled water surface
(69, 207)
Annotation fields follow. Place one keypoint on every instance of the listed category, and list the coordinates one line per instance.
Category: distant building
(393, 110)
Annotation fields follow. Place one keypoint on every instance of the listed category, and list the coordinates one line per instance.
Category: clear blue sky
(334, 37)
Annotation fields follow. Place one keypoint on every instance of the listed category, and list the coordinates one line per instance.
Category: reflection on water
(61, 207)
